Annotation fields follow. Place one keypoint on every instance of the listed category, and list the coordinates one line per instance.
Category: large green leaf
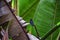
(26, 5)
(27, 10)
(47, 16)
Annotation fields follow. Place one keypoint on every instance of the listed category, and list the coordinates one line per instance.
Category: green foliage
(46, 15)
(28, 12)
(25, 6)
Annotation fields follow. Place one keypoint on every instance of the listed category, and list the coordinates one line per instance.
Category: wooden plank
(15, 30)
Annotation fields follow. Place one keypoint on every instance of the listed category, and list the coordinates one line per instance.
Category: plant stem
(50, 32)
(36, 32)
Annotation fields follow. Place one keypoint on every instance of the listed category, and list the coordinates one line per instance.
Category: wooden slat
(15, 30)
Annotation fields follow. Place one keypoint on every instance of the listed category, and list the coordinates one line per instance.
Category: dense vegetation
(45, 14)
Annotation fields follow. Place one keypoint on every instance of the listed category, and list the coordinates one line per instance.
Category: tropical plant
(45, 14)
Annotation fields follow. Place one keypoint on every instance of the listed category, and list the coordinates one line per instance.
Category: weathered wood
(15, 30)
(5, 35)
